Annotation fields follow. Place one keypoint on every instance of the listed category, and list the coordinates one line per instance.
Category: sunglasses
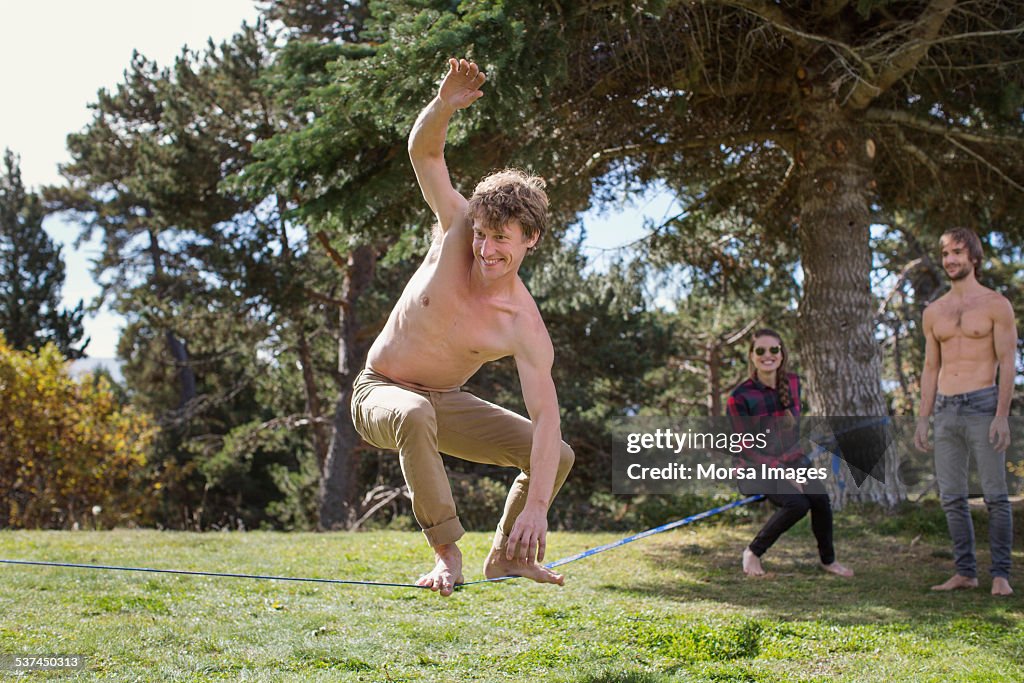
(774, 350)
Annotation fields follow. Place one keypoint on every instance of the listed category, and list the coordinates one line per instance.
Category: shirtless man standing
(465, 306)
(969, 334)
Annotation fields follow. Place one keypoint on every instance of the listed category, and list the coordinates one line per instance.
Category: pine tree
(32, 273)
(786, 130)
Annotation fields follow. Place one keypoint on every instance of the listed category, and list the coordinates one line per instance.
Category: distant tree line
(32, 273)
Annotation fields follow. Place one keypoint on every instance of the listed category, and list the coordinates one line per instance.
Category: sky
(56, 55)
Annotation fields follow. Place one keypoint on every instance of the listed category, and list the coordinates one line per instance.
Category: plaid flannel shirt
(752, 400)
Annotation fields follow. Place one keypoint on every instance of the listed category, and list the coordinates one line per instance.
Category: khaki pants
(421, 425)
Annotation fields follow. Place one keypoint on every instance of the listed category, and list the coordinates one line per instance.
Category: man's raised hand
(461, 86)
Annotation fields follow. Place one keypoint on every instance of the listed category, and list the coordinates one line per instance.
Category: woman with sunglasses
(770, 391)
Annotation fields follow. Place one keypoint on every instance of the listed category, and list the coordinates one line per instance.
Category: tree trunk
(313, 405)
(175, 346)
(839, 354)
(713, 358)
(186, 376)
(339, 491)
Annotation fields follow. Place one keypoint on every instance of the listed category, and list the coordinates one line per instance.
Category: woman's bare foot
(838, 570)
(497, 565)
(752, 563)
(447, 572)
(956, 582)
(1001, 586)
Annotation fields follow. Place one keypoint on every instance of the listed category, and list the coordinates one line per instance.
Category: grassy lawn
(671, 607)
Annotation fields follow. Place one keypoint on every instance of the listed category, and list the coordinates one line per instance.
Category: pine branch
(729, 340)
(784, 139)
(754, 87)
(919, 154)
(803, 40)
(905, 58)
(338, 259)
(904, 274)
(323, 298)
(979, 34)
(894, 117)
(995, 169)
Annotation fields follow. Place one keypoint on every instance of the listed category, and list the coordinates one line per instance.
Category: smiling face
(956, 258)
(510, 195)
(498, 251)
(767, 354)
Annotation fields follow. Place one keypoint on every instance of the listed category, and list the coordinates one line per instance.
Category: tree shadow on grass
(892, 582)
(725, 619)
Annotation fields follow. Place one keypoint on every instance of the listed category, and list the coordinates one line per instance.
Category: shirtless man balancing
(466, 306)
(969, 334)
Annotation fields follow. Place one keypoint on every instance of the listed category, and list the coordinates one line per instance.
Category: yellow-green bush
(69, 454)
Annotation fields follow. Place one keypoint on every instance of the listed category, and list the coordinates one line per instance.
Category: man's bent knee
(566, 458)
(953, 502)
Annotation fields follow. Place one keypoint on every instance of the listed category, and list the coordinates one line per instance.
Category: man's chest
(466, 327)
(962, 320)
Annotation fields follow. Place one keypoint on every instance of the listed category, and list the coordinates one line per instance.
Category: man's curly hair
(508, 195)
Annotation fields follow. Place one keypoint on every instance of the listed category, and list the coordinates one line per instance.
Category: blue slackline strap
(218, 574)
(556, 563)
(635, 537)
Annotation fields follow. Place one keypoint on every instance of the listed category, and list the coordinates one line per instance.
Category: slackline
(350, 582)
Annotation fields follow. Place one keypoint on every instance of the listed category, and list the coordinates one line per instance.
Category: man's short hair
(510, 195)
(968, 238)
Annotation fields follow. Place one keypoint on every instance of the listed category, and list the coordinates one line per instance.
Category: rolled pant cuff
(445, 532)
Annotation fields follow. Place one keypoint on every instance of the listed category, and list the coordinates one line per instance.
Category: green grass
(672, 607)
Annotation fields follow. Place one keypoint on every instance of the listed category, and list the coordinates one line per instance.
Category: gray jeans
(961, 430)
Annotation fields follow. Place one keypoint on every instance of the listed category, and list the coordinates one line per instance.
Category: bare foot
(447, 572)
(956, 582)
(1001, 586)
(497, 565)
(752, 563)
(838, 570)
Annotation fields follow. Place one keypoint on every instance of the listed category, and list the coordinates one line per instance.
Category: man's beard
(960, 273)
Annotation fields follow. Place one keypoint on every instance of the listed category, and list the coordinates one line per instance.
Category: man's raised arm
(459, 89)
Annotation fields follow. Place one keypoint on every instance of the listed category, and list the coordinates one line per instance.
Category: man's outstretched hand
(461, 86)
